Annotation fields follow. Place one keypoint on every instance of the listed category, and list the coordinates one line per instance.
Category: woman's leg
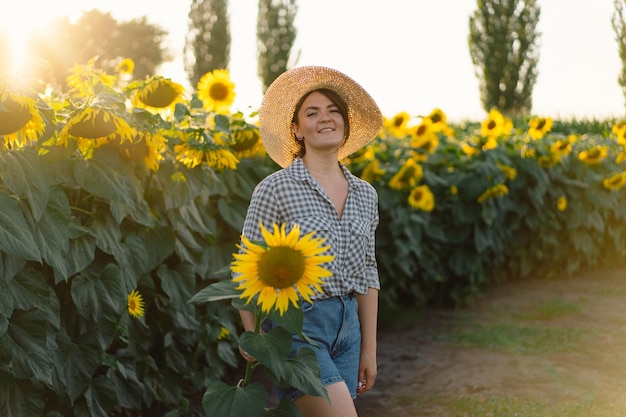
(341, 403)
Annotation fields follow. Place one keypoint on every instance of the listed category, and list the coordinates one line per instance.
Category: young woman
(310, 119)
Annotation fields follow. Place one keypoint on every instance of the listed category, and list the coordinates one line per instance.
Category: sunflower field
(123, 199)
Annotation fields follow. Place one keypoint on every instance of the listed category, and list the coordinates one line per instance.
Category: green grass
(515, 338)
(552, 308)
(512, 407)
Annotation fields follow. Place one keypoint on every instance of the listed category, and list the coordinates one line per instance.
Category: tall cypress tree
(276, 34)
(503, 44)
(207, 45)
(619, 27)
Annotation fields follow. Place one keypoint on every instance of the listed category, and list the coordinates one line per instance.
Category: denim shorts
(333, 324)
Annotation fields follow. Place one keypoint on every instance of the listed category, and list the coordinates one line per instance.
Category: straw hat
(281, 98)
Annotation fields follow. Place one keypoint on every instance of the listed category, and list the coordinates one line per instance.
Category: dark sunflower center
(218, 92)
(491, 125)
(541, 124)
(409, 174)
(281, 267)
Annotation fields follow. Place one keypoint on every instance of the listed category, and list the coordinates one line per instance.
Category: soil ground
(552, 342)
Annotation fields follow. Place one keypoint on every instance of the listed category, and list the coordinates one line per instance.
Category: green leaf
(97, 293)
(29, 290)
(10, 266)
(25, 174)
(177, 284)
(27, 337)
(270, 349)
(292, 319)
(100, 397)
(79, 361)
(220, 290)
(109, 237)
(23, 399)
(105, 176)
(303, 373)
(16, 237)
(285, 408)
(81, 253)
(233, 214)
(223, 400)
(197, 219)
(51, 231)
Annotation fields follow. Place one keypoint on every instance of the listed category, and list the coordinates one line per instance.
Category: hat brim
(282, 96)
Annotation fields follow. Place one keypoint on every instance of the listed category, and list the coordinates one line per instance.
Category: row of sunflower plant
(120, 200)
(122, 204)
(468, 205)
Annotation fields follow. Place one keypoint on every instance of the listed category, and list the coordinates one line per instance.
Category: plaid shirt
(293, 196)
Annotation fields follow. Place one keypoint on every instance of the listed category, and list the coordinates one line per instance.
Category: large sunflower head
(283, 269)
(94, 126)
(216, 91)
(197, 146)
(20, 120)
(158, 94)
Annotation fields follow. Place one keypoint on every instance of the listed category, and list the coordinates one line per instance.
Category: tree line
(503, 45)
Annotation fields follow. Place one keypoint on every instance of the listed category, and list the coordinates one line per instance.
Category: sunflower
(126, 67)
(397, 125)
(426, 146)
(421, 198)
(84, 80)
(495, 125)
(593, 156)
(216, 91)
(197, 147)
(135, 304)
(246, 140)
(539, 126)
(421, 131)
(372, 171)
(615, 182)
(285, 268)
(509, 172)
(146, 146)
(93, 127)
(563, 147)
(224, 333)
(438, 119)
(496, 191)
(20, 121)
(159, 95)
(407, 176)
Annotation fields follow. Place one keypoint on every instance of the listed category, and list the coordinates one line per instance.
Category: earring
(301, 138)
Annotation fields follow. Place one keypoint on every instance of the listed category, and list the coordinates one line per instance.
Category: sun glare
(19, 21)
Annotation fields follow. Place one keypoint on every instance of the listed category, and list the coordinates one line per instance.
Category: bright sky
(410, 55)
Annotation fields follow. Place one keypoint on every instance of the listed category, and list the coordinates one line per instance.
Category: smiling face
(320, 122)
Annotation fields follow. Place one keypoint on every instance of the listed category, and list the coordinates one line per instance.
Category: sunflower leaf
(221, 399)
(303, 373)
(16, 237)
(270, 349)
(220, 290)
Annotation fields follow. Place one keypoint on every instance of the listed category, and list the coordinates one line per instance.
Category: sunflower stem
(249, 365)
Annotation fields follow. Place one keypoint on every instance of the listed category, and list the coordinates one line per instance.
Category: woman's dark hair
(338, 101)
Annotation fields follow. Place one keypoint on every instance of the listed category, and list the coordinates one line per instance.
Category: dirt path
(549, 344)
